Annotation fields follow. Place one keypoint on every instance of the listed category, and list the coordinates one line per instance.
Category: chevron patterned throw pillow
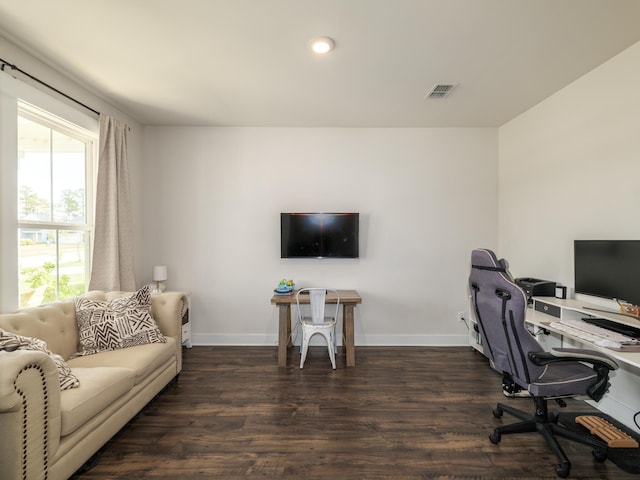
(10, 341)
(115, 324)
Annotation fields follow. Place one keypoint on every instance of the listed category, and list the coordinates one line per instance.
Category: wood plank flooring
(401, 413)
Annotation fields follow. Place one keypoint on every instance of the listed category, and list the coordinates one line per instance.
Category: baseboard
(360, 340)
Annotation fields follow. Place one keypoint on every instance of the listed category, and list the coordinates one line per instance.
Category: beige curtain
(112, 266)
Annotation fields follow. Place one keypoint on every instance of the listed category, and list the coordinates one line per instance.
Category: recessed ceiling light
(321, 45)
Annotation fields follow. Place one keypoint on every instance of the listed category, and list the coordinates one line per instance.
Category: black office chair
(500, 307)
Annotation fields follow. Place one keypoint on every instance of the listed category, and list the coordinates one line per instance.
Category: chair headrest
(485, 259)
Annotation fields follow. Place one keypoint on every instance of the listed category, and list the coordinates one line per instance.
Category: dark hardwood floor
(401, 413)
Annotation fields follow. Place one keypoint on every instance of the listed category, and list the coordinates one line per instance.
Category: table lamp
(159, 276)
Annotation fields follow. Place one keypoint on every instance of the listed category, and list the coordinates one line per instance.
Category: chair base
(547, 425)
(328, 334)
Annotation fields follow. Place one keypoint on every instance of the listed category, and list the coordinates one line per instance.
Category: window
(55, 205)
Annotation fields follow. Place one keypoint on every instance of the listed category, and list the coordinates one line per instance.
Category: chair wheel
(495, 437)
(599, 455)
(563, 469)
(497, 412)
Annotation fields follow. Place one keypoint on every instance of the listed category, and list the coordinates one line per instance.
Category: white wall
(426, 198)
(570, 169)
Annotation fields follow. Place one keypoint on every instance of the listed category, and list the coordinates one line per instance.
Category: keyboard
(592, 333)
(615, 326)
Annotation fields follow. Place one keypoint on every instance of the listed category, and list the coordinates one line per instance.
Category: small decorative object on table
(630, 310)
(285, 287)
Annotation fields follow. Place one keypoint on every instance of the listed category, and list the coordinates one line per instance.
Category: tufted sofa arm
(166, 308)
(29, 411)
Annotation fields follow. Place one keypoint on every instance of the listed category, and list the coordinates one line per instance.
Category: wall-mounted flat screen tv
(319, 235)
(608, 268)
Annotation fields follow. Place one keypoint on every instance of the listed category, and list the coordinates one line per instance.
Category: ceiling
(247, 62)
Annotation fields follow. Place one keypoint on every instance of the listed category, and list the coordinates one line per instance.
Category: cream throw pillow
(9, 341)
(120, 323)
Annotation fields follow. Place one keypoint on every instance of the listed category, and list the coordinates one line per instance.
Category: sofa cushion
(11, 340)
(119, 323)
(143, 359)
(99, 388)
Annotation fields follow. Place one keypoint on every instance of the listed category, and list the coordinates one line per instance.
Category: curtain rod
(35, 79)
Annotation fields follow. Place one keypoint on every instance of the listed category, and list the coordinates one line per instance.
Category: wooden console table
(348, 299)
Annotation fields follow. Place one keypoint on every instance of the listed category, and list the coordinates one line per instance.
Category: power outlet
(461, 316)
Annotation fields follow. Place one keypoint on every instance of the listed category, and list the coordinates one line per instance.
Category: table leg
(289, 339)
(284, 331)
(349, 335)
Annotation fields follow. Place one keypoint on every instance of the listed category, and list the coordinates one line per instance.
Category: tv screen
(319, 235)
(608, 268)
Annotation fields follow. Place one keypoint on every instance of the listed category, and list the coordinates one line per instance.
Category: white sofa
(48, 433)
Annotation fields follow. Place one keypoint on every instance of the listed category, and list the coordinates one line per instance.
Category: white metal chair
(318, 322)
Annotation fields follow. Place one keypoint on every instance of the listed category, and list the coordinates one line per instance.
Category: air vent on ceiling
(440, 90)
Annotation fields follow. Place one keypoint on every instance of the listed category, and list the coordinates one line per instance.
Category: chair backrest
(317, 300)
(500, 307)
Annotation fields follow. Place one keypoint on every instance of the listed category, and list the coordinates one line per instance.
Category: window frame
(90, 140)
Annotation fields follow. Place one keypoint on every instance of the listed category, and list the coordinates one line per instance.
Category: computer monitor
(608, 268)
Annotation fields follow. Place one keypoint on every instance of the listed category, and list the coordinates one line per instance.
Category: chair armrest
(602, 365)
(30, 419)
(592, 357)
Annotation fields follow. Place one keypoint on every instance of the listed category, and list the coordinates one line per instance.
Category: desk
(577, 309)
(348, 299)
(622, 400)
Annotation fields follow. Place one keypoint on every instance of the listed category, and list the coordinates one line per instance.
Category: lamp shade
(159, 273)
